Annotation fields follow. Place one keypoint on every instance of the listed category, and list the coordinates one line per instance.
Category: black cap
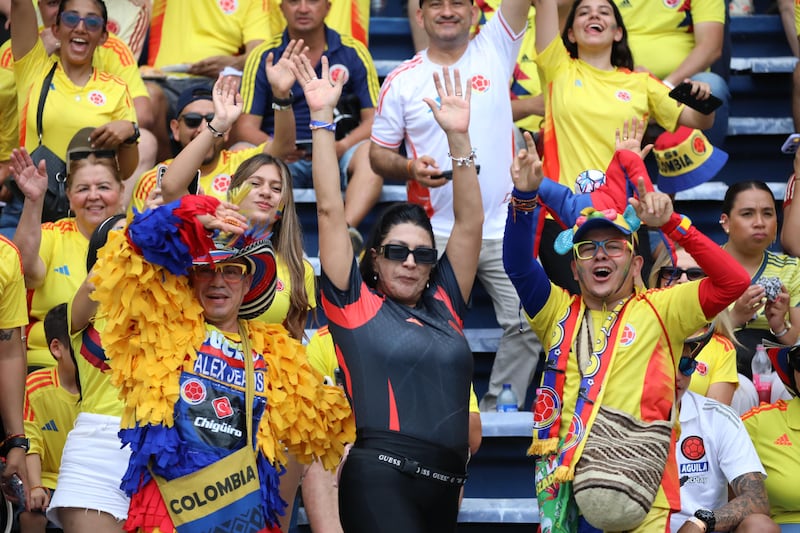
(192, 94)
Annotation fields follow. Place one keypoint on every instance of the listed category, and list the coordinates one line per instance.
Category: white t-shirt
(713, 450)
(402, 116)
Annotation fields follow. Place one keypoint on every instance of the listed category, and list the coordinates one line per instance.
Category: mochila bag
(225, 495)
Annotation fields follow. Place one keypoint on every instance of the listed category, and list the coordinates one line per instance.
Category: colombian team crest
(228, 6)
(627, 336)
(693, 448)
(193, 391)
(672, 4)
(97, 98)
(480, 83)
(548, 408)
(623, 96)
(221, 183)
(339, 72)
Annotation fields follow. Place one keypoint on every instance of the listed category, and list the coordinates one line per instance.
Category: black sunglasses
(93, 23)
(423, 255)
(192, 120)
(670, 273)
(688, 363)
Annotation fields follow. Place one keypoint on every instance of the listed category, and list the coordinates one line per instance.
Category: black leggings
(375, 497)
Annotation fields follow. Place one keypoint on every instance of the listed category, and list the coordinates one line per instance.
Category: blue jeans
(9, 217)
(716, 134)
(790, 528)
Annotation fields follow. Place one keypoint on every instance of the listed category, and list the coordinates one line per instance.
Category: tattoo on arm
(6, 334)
(751, 497)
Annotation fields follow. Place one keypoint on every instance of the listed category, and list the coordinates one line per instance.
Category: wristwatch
(133, 139)
(707, 516)
(15, 442)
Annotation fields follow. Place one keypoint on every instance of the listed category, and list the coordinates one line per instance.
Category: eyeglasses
(93, 23)
(670, 274)
(231, 272)
(688, 363)
(611, 247)
(423, 255)
(192, 120)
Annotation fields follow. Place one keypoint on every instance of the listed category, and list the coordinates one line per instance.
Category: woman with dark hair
(410, 392)
(590, 91)
(768, 309)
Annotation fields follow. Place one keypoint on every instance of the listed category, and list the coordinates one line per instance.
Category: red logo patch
(623, 96)
(627, 336)
(228, 6)
(480, 83)
(693, 448)
(279, 285)
(113, 26)
(339, 71)
(97, 98)
(699, 145)
(702, 368)
(221, 183)
(222, 406)
(193, 391)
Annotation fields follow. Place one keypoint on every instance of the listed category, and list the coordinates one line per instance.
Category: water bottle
(507, 400)
(762, 374)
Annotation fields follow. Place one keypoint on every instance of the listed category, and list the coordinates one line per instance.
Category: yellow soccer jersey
(775, 432)
(797, 18)
(655, 27)
(716, 363)
(104, 98)
(786, 268)
(186, 32)
(63, 250)
(279, 308)
(215, 183)
(346, 17)
(49, 415)
(585, 105)
(13, 305)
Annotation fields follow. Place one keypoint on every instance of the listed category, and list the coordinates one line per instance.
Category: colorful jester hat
(589, 219)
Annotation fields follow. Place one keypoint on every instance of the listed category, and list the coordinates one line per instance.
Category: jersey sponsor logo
(63, 269)
(217, 427)
(702, 368)
(340, 72)
(228, 7)
(623, 95)
(50, 426)
(480, 83)
(694, 468)
(193, 391)
(627, 336)
(693, 448)
(97, 98)
(221, 183)
(222, 406)
(783, 440)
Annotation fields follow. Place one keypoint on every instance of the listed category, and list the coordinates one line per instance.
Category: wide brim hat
(590, 218)
(780, 362)
(260, 259)
(686, 159)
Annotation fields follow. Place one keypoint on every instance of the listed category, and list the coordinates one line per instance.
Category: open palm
(452, 113)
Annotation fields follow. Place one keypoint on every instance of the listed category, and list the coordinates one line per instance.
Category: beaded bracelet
(524, 205)
(214, 131)
(320, 125)
(463, 161)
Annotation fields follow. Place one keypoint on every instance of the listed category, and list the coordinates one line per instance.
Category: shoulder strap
(42, 97)
(249, 379)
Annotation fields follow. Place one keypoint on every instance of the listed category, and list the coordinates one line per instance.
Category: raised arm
(227, 108)
(32, 181)
(281, 79)
(790, 236)
(515, 12)
(546, 23)
(322, 94)
(452, 115)
(24, 27)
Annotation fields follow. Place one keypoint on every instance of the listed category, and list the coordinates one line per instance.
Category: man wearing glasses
(613, 347)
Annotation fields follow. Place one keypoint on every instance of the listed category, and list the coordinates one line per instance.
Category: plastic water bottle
(762, 374)
(507, 400)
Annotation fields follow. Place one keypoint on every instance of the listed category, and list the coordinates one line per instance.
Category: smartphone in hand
(683, 94)
(791, 144)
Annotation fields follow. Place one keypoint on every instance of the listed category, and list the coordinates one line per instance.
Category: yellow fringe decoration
(543, 447)
(564, 473)
(153, 330)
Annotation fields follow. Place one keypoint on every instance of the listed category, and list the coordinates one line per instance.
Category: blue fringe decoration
(156, 233)
(272, 505)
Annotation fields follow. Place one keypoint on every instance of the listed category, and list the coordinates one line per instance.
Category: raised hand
(31, 179)
(280, 75)
(653, 208)
(226, 218)
(321, 93)
(631, 137)
(700, 89)
(526, 169)
(227, 102)
(452, 111)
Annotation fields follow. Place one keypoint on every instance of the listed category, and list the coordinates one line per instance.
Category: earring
(375, 277)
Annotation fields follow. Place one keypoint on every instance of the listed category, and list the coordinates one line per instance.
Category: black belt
(411, 467)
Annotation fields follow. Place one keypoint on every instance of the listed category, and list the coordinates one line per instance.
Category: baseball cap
(192, 94)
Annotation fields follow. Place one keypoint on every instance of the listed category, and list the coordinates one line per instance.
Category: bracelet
(784, 331)
(215, 132)
(283, 102)
(320, 125)
(278, 107)
(524, 205)
(408, 168)
(463, 161)
(668, 84)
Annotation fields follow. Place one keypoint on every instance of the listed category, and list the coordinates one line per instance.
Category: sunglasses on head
(84, 154)
(423, 255)
(193, 120)
(688, 363)
(231, 272)
(671, 273)
(93, 23)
